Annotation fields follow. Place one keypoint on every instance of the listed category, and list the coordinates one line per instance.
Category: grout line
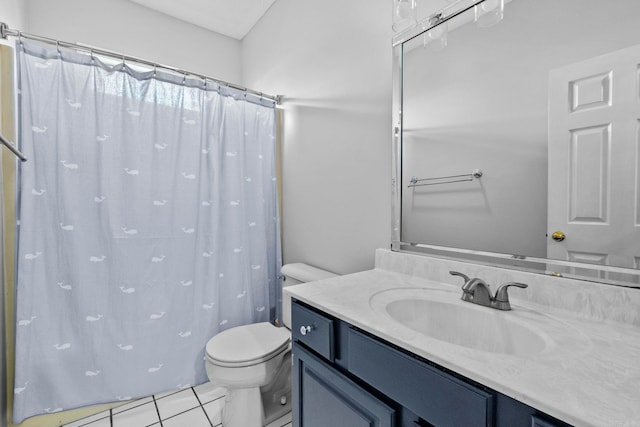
(202, 406)
(206, 415)
(155, 403)
(183, 412)
(197, 397)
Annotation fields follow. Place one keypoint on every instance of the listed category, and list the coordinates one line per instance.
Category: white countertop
(588, 374)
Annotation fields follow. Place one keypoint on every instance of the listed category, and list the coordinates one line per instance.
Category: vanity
(396, 346)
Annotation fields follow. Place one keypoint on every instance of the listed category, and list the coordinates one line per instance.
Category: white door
(594, 128)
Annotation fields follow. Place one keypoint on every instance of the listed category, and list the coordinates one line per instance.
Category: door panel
(589, 174)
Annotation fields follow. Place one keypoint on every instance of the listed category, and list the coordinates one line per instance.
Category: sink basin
(444, 317)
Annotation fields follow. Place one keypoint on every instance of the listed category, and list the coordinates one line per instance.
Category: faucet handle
(467, 293)
(501, 299)
(464, 276)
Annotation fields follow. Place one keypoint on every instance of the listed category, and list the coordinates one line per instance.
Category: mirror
(544, 104)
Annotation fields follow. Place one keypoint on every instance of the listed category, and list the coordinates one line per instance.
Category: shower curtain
(148, 223)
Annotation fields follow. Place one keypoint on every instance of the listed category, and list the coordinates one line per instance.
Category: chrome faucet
(477, 291)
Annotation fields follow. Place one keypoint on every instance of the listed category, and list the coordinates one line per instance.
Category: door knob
(558, 236)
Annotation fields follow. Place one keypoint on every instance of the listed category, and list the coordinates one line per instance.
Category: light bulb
(489, 13)
(404, 15)
(489, 5)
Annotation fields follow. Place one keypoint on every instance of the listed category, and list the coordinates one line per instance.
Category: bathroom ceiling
(233, 18)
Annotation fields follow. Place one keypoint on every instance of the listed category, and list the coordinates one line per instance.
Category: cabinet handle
(304, 330)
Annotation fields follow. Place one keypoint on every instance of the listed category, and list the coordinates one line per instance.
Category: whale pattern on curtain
(148, 223)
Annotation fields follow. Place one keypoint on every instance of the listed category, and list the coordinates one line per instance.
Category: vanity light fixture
(405, 15)
(489, 13)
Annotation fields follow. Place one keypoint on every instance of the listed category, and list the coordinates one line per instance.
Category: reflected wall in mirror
(546, 103)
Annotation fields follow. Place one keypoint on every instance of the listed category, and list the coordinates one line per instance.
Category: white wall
(331, 60)
(12, 13)
(124, 26)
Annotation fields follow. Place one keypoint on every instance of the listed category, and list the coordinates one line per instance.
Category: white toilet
(253, 362)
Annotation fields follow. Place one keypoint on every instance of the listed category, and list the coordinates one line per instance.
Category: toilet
(253, 362)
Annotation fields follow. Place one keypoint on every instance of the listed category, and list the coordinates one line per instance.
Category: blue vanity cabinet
(346, 377)
(323, 397)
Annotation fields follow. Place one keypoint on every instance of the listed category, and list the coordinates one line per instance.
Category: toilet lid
(248, 344)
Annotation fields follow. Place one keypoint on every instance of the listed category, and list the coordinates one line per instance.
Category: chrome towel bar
(414, 182)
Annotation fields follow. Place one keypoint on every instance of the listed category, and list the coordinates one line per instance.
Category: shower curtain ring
(155, 70)
(58, 47)
(91, 54)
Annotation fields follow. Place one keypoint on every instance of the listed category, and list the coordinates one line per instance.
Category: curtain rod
(12, 148)
(5, 32)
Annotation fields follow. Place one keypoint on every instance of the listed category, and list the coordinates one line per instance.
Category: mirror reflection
(545, 105)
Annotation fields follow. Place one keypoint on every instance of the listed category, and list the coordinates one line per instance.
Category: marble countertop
(587, 375)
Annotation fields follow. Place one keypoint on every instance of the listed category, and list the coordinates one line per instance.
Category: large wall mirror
(517, 140)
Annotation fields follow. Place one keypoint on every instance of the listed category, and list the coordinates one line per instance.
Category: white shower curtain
(147, 224)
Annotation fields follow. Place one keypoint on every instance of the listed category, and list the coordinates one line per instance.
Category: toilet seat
(247, 345)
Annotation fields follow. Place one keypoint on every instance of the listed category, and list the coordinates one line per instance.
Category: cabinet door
(324, 397)
(539, 422)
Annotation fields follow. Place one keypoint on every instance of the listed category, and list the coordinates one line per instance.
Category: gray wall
(331, 60)
(479, 103)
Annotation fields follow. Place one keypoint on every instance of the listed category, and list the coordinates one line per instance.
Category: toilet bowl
(253, 362)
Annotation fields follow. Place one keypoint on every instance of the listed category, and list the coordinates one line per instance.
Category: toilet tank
(294, 274)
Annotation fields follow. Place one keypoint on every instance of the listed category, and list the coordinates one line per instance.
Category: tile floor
(199, 406)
